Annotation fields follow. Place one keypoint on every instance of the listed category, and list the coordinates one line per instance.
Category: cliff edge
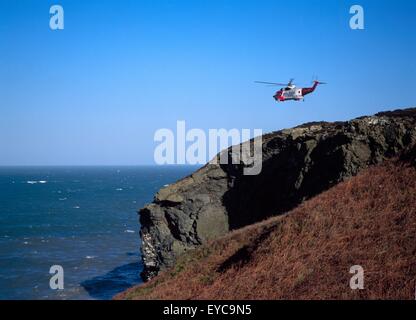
(366, 223)
(297, 164)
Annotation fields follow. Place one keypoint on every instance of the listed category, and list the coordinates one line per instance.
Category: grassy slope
(369, 220)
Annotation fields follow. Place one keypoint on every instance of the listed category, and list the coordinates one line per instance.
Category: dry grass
(369, 220)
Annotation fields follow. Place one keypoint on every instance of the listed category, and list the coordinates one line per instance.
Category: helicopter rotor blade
(271, 83)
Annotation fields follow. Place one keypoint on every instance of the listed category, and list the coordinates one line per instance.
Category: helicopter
(290, 91)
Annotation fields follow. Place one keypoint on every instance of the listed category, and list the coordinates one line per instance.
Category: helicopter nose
(277, 96)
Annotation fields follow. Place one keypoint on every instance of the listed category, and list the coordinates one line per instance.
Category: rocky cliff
(307, 253)
(297, 164)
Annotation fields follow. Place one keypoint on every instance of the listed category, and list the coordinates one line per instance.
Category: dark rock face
(297, 164)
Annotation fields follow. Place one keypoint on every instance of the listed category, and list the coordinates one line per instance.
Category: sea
(83, 219)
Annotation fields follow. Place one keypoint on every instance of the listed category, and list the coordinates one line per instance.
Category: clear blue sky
(96, 92)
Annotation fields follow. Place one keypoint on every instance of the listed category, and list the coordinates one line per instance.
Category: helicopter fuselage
(293, 93)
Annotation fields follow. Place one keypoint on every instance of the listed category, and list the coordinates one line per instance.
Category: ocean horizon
(83, 218)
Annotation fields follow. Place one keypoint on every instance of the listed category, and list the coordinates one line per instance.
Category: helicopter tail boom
(306, 91)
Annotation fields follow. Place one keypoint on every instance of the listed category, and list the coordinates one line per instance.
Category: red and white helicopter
(290, 91)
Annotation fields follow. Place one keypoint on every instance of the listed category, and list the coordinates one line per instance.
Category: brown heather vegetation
(369, 220)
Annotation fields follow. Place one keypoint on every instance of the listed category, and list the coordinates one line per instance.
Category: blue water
(82, 218)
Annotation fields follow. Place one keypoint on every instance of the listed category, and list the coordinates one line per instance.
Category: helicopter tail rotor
(315, 80)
